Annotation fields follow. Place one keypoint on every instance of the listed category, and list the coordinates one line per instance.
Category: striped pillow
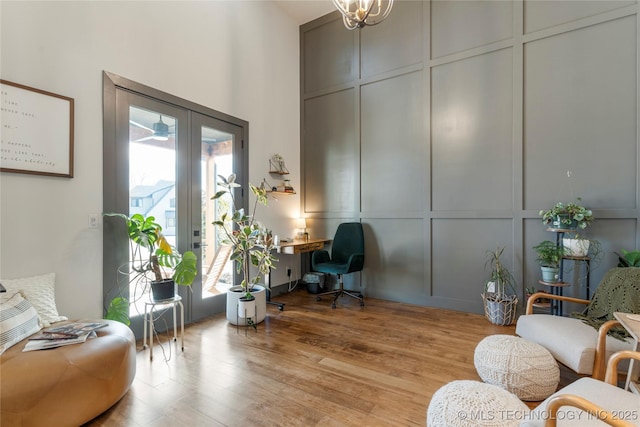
(18, 320)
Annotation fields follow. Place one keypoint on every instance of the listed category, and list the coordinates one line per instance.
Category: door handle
(198, 245)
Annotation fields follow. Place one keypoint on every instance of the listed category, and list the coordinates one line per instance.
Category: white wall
(240, 58)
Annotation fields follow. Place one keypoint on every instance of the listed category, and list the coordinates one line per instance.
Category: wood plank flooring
(308, 365)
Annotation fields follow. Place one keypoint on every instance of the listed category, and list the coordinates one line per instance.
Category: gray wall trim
(508, 105)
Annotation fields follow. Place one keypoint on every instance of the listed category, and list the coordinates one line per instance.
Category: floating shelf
(281, 192)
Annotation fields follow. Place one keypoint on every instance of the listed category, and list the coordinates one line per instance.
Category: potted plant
(154, 264)
(628, 258)
(567, 216)
(549, 255)
(499, 294)
(252, 252)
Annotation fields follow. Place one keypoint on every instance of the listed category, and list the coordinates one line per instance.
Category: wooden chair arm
(612, 365)
(594, 410)
(599, 361)
(537, 295)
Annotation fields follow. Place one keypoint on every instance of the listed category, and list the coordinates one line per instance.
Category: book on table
(67, 334)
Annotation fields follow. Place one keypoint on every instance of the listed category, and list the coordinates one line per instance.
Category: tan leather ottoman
(69, 385)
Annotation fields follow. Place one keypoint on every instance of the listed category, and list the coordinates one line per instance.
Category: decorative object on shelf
(499, 294)
(154, 264)
(251, 241)
(276, 165)
(360, 13)
(567, 216)
(549, 256)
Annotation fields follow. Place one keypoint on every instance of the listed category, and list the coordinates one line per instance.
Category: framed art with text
(36, 134)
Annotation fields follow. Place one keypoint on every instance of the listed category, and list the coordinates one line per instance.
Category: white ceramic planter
(233, 296)
(576, 247)
(246, 308)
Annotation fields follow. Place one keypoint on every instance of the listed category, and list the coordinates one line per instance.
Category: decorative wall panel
(398, 43)
(328, 56)
(330, 153)
(457, 26)
(459, 256)
(539, 15)
(580, 116)
(393, 145)
(446, 156)
(395, 260)
(472, 121)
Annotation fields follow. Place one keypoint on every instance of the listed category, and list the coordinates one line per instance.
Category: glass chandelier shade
(360, 13)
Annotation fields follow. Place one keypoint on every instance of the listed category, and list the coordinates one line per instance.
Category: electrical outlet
(93, 221)
(288, 272)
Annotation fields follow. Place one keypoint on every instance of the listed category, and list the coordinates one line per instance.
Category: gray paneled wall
(446, 128)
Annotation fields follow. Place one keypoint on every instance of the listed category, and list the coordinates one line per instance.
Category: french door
(163, 159)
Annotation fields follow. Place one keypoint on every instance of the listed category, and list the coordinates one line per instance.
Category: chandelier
(358, 13)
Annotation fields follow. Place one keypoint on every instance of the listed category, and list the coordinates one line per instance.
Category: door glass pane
(216, 159)
(152, 179)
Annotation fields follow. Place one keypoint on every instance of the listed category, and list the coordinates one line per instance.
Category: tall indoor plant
(154, 263)
(499, 296)
(252, 244)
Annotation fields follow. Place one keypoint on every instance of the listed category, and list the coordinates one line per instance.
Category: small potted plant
(499, 296)
(253, 246)
(567, 216)
(548, 257)
(628, 258)
(154, 263)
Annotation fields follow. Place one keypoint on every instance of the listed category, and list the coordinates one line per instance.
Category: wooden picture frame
(37, 131)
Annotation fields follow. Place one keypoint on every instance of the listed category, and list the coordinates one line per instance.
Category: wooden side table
(149, 307)
(633, 327)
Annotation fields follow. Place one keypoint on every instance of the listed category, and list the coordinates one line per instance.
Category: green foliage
(629, 258)
(118, 310)
(573, 212)
(145, 233)
(502, 280)
(251, 241)
(549, 254)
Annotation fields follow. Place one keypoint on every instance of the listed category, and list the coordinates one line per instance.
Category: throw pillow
(40, 292)
(18, 320)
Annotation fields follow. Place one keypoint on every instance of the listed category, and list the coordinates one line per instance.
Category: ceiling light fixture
(160, 130)
(358, 13)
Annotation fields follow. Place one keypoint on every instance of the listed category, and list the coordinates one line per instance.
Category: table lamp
(301, 224)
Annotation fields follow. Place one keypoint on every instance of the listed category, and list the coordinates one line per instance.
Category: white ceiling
(303, 11)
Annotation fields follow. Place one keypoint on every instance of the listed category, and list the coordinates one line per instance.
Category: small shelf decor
(276, 165)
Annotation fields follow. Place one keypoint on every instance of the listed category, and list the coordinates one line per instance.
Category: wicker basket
(500, 311)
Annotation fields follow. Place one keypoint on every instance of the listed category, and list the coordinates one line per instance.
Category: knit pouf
(467, 403)
(522, 367)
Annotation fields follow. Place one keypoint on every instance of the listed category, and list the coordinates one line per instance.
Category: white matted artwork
(36, 136)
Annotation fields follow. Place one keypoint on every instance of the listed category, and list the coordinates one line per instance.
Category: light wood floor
(309, 365)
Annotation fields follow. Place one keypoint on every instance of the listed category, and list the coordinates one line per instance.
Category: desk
(292, 248)
(302, 246)
(633, 327)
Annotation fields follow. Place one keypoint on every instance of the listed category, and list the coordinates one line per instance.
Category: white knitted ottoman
(522, 367)
(468, 403)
